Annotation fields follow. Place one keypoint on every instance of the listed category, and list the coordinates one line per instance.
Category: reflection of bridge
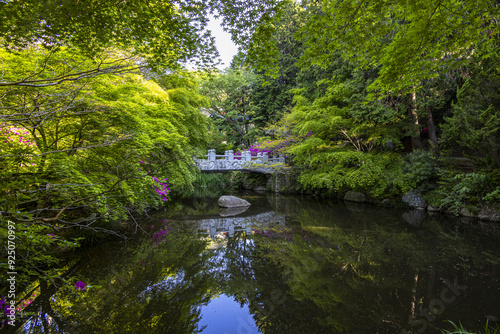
(216, 225)
(262, 163)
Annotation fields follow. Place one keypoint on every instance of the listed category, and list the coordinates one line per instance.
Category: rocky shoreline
(283, 183)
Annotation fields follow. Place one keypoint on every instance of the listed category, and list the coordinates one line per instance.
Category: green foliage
(339, 132)
(273, 97)
(93, 26)
(231, 106)
(410, 41)
(37, 252)
(469, 189)
(466, 186)
(114, 135)
(176, 269)
(207, 185)
(160, 33)
(88, 156)
(333, 107)
(378, 175)
(459, 329)
(247, 180)
(420, 168)
(473, 129)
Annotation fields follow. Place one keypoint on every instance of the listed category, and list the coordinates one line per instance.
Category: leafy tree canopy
(163, 33)
(409, 40)
(72, 125)
(231, 106)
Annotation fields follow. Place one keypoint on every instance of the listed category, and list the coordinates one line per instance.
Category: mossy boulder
(415, 200)
(354, 196)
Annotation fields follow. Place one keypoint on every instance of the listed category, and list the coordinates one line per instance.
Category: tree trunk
(416, 142)
(431, 130)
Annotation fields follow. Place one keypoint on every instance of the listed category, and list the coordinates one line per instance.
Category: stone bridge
(229, 162)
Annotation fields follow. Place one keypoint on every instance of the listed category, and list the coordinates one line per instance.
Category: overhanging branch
(71, 77)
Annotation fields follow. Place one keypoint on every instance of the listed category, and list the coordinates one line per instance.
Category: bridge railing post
(247, 156)
(211, 155)
(265, 156)
(281, 158)
(229, 155)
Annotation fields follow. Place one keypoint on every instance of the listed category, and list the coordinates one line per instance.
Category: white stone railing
(261, 163)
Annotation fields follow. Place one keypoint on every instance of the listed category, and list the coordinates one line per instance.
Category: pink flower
(80, 285)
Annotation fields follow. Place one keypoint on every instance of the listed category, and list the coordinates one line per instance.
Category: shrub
(476, 189)
(378, 175)
(207, 185)
(420, 169)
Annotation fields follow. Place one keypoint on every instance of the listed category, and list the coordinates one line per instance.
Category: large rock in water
(232, 202)
(355, 196)
(415, 200)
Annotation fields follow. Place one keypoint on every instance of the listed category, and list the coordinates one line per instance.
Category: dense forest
(104, 104)
(375, 98)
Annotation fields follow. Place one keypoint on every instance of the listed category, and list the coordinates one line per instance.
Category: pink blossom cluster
(255, 148)
(273, 147)
(15, 134)
(9, 307)
(25, 303)
(80, 286)
(6, 311)
(161, 235)
(161, 185)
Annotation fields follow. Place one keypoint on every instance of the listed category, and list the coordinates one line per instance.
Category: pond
(285, 265)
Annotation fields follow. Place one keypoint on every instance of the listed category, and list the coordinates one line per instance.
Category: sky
(227, 49)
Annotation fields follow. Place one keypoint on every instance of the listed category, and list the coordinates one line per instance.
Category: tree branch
(104, 144)
(72, 76)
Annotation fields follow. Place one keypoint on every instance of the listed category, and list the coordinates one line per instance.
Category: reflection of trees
(150, 290)
(340, 274)
(373, 279)
(332, 277)
(251, 277)
(43, 318)
(351, 274)
(318, 277)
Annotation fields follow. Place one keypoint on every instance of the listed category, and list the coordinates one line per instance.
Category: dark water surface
(286, 265)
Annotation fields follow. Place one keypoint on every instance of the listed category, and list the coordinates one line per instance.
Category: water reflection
(286, 265)
(230, 212)
(224, 315)
(219, 226)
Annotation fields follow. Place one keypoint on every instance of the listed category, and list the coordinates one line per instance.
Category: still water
(285, 265)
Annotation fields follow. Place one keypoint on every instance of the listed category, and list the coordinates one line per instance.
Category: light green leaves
(410, 40)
